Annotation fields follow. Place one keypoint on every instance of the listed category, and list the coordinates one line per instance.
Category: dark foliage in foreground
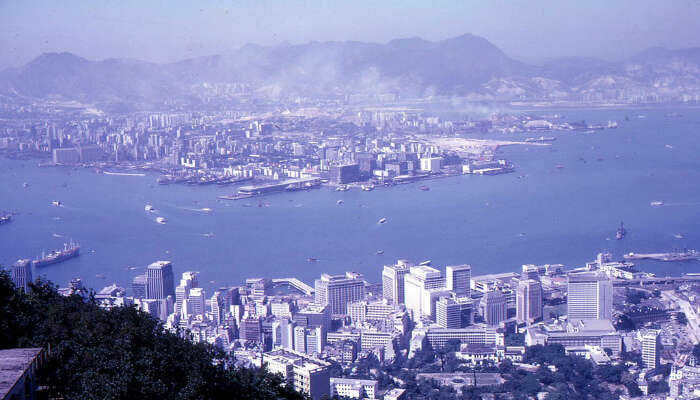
(120, 353)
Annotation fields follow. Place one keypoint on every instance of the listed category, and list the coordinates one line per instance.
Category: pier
(295, 283)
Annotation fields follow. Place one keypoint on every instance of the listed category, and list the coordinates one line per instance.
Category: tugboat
(621, 232)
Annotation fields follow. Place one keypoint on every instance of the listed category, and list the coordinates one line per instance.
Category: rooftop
(13, 363)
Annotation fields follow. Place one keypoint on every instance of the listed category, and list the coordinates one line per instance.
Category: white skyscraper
(197, 302)
(528, 301)
(21, 274)
(590, 296)
(651, 348)
(339, 290)
(457, 278)
(393, 281)
(417, 284)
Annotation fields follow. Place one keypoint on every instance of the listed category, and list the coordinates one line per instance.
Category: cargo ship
(685, 255)
(621, 232)
(70, 250)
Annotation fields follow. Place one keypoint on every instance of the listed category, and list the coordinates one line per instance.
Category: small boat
(657, 203)
(149, 207)
(380, 252)
(381, 221)
(621, 232)
(57, 203)
(426, 262)
(341, 188)
(25, 184)
(559, 166)
(160, 220)
(311, 259)
(668, 146)
(678, 236)
(424, 188)
(206, 210)
(367, 188)
(5, 218)
(339, 202)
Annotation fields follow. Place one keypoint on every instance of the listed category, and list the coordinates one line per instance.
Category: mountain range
(466, 66)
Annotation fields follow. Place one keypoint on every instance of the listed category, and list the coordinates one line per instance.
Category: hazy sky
(170, 30)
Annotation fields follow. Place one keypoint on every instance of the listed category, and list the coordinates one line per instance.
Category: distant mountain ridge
(467, 65)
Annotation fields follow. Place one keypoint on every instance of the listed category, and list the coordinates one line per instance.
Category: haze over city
(325, 200)
(167, 31)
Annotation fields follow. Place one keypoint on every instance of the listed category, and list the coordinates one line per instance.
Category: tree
(120, 353)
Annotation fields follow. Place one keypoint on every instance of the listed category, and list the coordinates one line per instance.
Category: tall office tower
(188, 281)
(393, 281)
(22, 274)
(160, 280)
(218, 310)
(138, 286)
(651, 349)
(528, 301)
(417, 284)
(300, 339)
(531, 271)
(197, 302)
(448, 313)
(590, 296)
(495, 307)
(457, 279)
(339, 290)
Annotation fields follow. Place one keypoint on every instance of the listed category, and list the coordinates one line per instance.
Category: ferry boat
(621, 232)
(70, 250)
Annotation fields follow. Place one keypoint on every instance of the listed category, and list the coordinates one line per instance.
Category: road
(691, 315)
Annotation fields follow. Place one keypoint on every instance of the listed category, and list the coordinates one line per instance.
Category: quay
(295, 283)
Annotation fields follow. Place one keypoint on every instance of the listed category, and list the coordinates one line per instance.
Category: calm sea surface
(539, 214)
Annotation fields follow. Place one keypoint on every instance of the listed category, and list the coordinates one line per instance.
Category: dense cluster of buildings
(299, 331)
(382, 146)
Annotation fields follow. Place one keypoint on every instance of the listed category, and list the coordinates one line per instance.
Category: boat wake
(199, 210)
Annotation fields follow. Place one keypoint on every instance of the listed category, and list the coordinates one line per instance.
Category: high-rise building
(22, 274)
(251, 329)
(495, 307)
(188, 281)
(339, 290)
(138, 286)
(417, 284)
(217, 307)
(448, 313)
(528, 301)
(590, 296)
(393, 281)
(651, 349)
(197, 302)
(457, 279)
(160, 280)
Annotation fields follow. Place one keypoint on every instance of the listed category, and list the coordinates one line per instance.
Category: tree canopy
(120, 353)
